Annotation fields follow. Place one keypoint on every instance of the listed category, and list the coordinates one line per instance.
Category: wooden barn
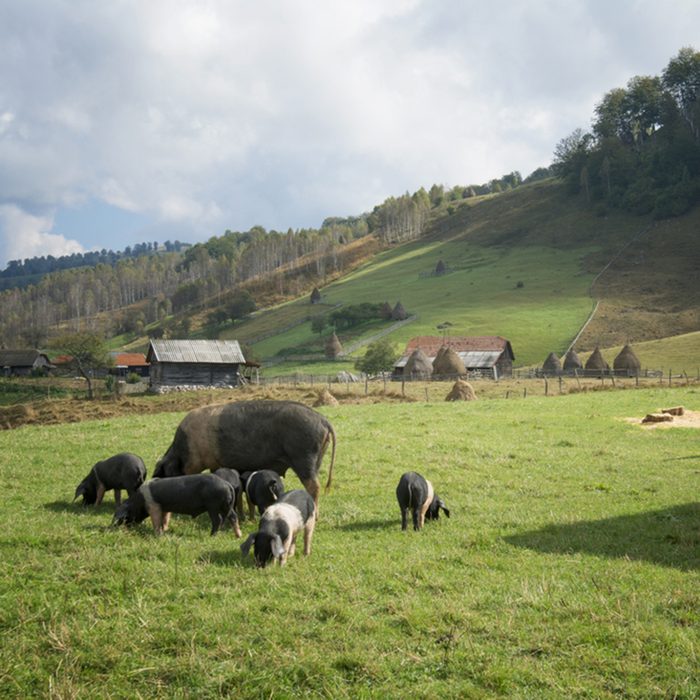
(21, 363)
(489, 354)
(194, 363)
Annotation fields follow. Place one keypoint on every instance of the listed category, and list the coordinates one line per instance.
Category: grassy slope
(535, 235)
(570, 565)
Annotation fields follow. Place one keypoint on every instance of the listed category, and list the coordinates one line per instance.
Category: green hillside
(520, 265)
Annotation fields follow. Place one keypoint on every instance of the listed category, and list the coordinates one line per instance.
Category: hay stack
(440, 268)
(596, 362)
(627, 362)
(315, 296)
(399, 313)
(572, 361)
(448, 363)
(461, 391)
(385, 312)
(418, 365)
(325, 398)
(552, 365)
(333, 347)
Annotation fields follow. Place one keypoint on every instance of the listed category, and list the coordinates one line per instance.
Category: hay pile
(461, 391)
(385, 312)
(399, 313)
(333, 347)
(596, 362)
(325, 398)
(572, 361)
(552, 365)
(627, 362)
(418, 365)
(448, 363)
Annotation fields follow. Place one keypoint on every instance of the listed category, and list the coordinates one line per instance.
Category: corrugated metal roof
(205, 351)
(472, 360)
(20, 358)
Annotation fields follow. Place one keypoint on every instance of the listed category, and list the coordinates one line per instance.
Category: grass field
(570, 565)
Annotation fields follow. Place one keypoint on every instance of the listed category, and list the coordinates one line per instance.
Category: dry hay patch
(688, 419)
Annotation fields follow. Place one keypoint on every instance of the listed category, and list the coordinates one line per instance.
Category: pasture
(570, 565)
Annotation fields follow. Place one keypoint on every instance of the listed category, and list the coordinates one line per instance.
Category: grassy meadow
(570, 565)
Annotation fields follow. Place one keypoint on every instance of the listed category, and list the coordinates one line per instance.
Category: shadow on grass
(365, 525)
(227, 557)
(78, 508)
(668, 537)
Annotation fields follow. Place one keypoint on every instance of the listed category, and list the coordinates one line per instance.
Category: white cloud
(24, 235)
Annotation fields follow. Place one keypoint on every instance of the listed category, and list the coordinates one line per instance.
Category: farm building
(195, 363)
(22, 363)
(126, 363)
(489, 354)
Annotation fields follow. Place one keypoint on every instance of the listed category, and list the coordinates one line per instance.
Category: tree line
(642, 153)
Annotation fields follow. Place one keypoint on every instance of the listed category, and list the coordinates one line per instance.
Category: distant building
(21, 363)
(487, 353)
(194, 363)
(126, 363)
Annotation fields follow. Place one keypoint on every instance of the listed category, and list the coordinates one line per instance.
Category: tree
(380, 357)
(682, 79)
(240, 305)
(88, 354)
(318, 323)
(570, 153)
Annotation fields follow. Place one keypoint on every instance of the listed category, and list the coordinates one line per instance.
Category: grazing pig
(252, 435)
(262, 489)
(191, 495)
(123, 471)
(276, 537)
(416, 492)
(233, 478)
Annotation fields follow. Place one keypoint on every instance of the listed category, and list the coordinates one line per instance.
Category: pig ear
(441, 504)
(277, 547)
(245, 547)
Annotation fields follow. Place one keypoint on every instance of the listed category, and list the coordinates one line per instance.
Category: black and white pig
(275, 539)
(190, 495)
(123, 471)
(262, 489)
(416, 492)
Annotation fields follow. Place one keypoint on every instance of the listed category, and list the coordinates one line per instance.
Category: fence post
(669, 377)
(546, 386)
(366, 385)
(525, 393)
(403, 385)
(560, 382)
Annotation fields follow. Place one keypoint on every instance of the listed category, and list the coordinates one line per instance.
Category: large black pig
(250, 435)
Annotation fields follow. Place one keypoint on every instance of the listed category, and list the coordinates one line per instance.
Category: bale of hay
(675, 411)
(657, 418)
(627, 362)
(461, 391)
(333, 347)
(399, 313)
(596, 362)
(418, 365)
(572, 361)
(325, 398)
(552, 365)
(448, 363)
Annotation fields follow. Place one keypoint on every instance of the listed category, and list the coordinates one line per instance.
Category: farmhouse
(489, 354)
(23, 362)
(194, 363)
(126, 363)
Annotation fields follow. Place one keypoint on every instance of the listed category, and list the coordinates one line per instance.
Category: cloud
(223, 114)
(26, 236)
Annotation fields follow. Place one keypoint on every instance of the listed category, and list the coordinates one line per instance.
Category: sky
(123, 121)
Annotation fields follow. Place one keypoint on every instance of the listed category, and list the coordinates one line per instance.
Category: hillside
(521, 265)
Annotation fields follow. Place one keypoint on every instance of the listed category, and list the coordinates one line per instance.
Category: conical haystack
(448, 363)
(596, 362)
(333, 347)
(461, 391)
(627, 362)
(315, 296)
(552, 365)
(325, 398)
(440, 268)
(572, 361)
(386, 312)
(399, 313)
(418, 365)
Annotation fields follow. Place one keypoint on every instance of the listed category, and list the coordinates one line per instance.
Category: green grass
(570, 565)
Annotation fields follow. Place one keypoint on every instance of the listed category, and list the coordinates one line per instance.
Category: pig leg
(156, 513)
(100, 492)
(251, 508)
(308, 534)
(216, 520)
(293, 546)
(313, 486)
(118, 496)
(233, 519)
(417, 522)
(166, 521)
(404, 518)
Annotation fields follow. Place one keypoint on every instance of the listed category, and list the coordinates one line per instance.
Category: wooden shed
(195, 363)
(126, 363)
(490, 354)
(21, 363)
